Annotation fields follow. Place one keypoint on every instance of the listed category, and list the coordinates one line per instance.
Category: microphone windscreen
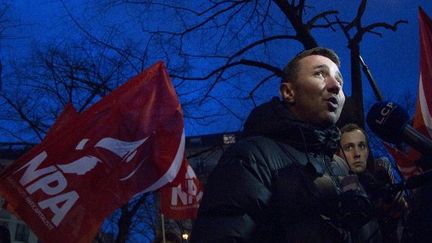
(387, 120)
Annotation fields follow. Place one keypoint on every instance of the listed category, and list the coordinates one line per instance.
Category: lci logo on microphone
(385, 112)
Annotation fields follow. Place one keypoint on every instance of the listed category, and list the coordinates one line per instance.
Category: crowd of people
(296, 177)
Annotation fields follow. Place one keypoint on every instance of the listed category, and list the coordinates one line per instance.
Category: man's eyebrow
(321, 66)
(324, 66)
(347, 144)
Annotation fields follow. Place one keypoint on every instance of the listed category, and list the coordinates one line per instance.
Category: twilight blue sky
(392, 58)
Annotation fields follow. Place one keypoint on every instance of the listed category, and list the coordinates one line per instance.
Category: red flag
(405, 162)
(180, 199)
(130, 142)
(423, 118)
(64, 120)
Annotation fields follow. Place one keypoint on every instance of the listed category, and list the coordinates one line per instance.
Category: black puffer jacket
(278, 184)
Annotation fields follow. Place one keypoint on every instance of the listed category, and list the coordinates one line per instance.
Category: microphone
(390, 122)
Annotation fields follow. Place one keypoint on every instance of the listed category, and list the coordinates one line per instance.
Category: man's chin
(330, 119)
(359, 169)
(326, 119)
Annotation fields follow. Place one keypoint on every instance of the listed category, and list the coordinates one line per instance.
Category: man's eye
(348, 148)
(362, 146)
(319, 74)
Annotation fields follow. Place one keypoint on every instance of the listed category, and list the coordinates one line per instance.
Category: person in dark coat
(280, 183)
(377, 178)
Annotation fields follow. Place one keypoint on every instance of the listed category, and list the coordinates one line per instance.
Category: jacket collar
(274, 120)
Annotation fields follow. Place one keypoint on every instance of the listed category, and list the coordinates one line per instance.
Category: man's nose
(356, 152)
(333, 85)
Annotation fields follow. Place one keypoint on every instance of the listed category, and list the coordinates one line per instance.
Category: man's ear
(287, 92)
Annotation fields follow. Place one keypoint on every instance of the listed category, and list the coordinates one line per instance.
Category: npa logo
(186, 194)
(52, 180)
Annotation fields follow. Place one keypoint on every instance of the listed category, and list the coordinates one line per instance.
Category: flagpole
(163, 228)
(372, 82)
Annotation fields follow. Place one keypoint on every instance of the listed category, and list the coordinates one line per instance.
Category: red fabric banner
(65, 119)
(180, 200)
(423, 118)
(128, 143)
(422, 121)
(405, 162)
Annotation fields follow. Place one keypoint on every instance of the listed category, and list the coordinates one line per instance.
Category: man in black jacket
(280, 182)
(376, 177)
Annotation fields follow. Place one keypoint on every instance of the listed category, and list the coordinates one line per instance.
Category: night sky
(392, 58)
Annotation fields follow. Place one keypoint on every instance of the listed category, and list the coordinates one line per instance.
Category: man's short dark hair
(350, 127)
(291, 69)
